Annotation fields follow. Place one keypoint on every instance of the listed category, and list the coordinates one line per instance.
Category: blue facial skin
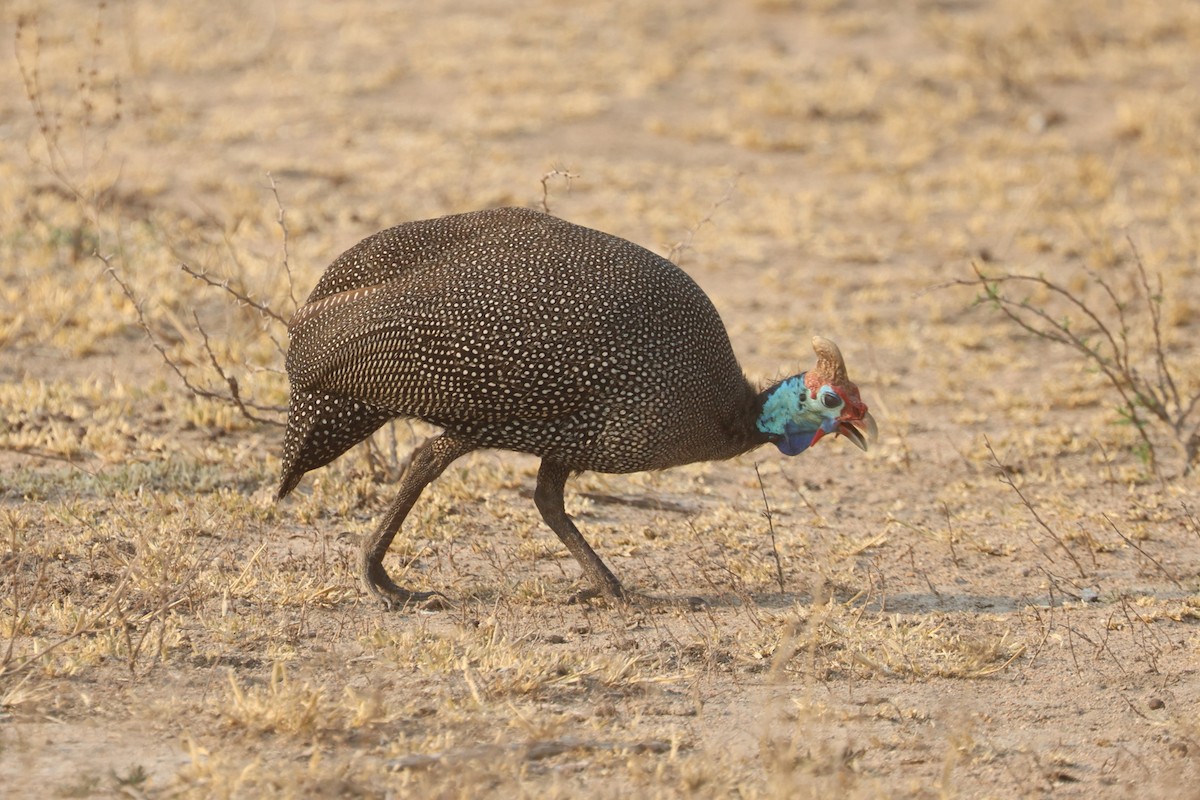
(792, 418)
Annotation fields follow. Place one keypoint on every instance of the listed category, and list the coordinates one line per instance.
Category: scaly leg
(551, 480)
(425, 464)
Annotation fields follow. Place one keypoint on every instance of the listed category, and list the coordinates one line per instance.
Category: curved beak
(859, 431)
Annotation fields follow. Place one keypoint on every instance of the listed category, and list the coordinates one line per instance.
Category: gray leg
(551, 480)
(424, 465)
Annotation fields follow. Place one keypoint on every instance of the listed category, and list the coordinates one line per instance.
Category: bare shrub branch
(231, 394)
(770, 517)
(677, 250)
(1005, 475)
(1148, 397)
(565, 175)
(239, 295)
(232, 397)
(74, 172)
(287, 264)
(1147, 556)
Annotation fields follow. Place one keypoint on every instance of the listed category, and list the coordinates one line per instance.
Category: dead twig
(1006, 479)
(233, 398)
(1146, 555)
(566, 176)
(287, 265)
(1192, 519)
(770, 529)
(676, 251)
(240, 296)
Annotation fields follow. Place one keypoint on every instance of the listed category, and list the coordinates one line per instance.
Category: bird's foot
(637, 599)
(395, 597)
(418, 601)
(403, 600)
(587, 595)
(654, 601)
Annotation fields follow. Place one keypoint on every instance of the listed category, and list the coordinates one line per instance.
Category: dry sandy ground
(1001, 599)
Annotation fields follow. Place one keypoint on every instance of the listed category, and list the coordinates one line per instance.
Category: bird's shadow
(905, 603)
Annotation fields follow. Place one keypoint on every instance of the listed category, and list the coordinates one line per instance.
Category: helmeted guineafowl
(512, 329)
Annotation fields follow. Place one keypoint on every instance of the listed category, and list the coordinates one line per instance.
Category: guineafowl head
(798, 411)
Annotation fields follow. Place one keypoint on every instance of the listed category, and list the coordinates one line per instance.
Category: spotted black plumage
(512, 329)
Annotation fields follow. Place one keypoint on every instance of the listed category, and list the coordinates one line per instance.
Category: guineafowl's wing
(446, 348)
(392, 253)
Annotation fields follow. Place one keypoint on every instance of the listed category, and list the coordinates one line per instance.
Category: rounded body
(516, 330)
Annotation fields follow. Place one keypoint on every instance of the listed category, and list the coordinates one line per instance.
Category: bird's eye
(831, 400)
